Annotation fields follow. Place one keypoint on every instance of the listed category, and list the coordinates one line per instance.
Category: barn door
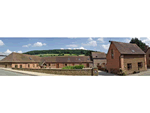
(57, 65)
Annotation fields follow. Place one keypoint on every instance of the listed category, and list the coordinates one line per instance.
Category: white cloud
(82, 48)
(78, 48)
(19, 51)
(106, 46)
(39, 44)
(8, 51)
(136, 37)
(44, 44)
(127, 40)
(90, 39)
(72, 45)
(61, 48)
(1, 43)
(147, 41)
(101, 39)
(26, 45)
(91, 43)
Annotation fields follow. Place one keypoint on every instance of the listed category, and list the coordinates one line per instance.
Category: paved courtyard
(144, 73)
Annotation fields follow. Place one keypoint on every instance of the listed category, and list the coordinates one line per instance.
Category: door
(57, 65)
(87, 64)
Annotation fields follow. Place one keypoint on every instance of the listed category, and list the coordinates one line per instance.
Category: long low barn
(18, 60)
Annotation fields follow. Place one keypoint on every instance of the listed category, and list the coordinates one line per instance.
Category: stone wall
(99, 62)
(89, 72)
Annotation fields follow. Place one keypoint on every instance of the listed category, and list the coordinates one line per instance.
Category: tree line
(60, 52)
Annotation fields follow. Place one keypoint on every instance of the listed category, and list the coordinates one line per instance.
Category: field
(46, 55)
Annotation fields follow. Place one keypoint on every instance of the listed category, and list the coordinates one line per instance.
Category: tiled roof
(98, 55)
(67, 59)
(128, 48)
(18, 57)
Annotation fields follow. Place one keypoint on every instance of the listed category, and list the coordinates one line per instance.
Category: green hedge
(74, 67)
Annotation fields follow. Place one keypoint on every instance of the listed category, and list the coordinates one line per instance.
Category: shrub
(74, 67)
(68, 67)
(79, 67)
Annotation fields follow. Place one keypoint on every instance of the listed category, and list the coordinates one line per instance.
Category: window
(28, 65)
(129, 66)
(16, 66)
(140, 64)
(49, 64)
(65, 64)
(96, 56)
(20, 66)
(112, 54)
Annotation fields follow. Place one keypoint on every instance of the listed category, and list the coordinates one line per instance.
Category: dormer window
(112, 54)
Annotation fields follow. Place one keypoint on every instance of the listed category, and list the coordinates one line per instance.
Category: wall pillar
(94, 71)
(145, 62)
(122, 62)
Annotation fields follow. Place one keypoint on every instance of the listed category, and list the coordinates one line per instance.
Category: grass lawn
(46, 55)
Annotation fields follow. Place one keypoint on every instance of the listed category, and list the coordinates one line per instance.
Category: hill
(59, 52)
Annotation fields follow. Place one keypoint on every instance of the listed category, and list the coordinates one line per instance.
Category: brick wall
(75, 72)
(61, 65)
(8, 65)
(113, 64)
(26, 65)
(148, 58)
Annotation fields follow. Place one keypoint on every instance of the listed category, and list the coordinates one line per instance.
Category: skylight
(133, 51)
(30, 58)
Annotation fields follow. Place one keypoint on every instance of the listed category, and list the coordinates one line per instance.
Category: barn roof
(67, 59)
(128, 48)
(18, 57)
(98, 55)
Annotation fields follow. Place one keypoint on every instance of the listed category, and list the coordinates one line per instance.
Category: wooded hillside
(59, 51)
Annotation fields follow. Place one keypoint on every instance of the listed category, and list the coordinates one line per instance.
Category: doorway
(87, 64)
(57, 65)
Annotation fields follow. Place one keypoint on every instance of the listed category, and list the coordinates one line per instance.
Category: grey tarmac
(10, 73)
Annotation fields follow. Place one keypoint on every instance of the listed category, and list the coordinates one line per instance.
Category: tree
(139, 43)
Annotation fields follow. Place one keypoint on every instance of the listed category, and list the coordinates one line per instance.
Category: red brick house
(126, 57)
(148, 57)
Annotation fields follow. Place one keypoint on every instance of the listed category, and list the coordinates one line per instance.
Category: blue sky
(20, 45)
